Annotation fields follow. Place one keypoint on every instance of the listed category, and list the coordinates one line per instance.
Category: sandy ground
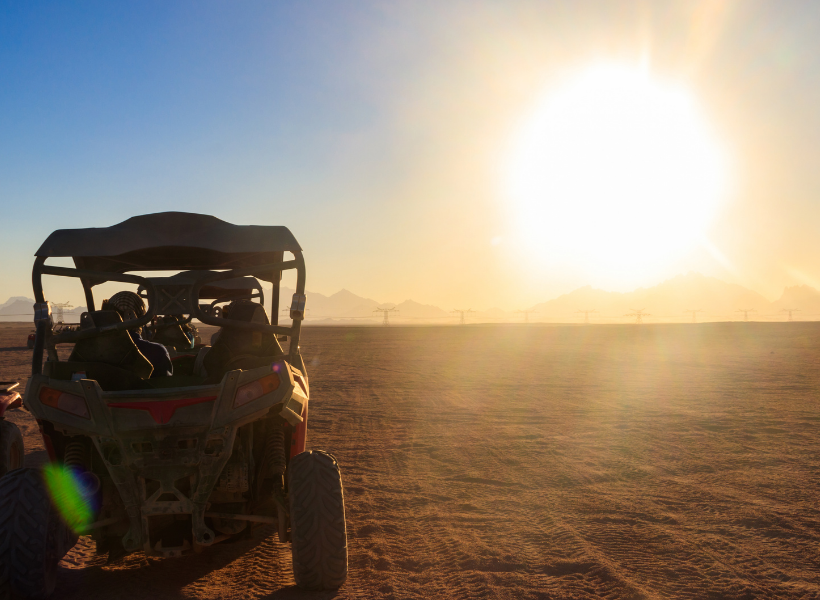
(655, 461)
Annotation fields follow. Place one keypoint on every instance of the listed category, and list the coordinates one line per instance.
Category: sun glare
(615, 173)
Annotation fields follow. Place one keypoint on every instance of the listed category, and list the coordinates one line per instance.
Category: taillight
(69, 403)
(255, 389)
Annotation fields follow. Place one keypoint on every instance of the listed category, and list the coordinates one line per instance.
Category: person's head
(128, 304)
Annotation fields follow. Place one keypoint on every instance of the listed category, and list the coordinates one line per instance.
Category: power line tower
(461, 312)
(746, 312)
(694, 313)
(639, 314)
(385, 314)
(58, 308)
(790, 311)
(527, 314)
(586, 314)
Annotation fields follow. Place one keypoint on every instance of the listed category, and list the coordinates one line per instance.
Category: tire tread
(318, 530)
(9, 436)
(29, 530)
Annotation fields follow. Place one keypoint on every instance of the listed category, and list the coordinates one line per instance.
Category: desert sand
(616, 461)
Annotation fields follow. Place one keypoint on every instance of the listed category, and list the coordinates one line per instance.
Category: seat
(238, 349)
(110, 378)
(169, 332)
(116, 349)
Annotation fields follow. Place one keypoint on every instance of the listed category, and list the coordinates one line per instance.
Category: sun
(614, 174)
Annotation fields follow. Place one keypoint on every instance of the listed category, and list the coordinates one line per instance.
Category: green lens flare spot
(68, 496)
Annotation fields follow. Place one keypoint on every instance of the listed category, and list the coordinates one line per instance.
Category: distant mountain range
(715, 300)
(20, 308)
(671, 301)
(347, 306)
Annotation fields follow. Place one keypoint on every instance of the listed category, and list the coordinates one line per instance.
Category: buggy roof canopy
(170, 241)
(226, 288)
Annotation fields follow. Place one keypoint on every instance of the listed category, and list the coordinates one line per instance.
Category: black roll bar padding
(89, 294)
(300, 272)
(274, 303)
(39, 343)
(297, 324)
(40, 335)
(298, 264)
(37, 280)
(276, 282)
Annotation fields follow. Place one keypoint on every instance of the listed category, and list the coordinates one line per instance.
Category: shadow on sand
(256, 568)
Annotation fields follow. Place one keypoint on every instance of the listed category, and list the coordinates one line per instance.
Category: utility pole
(746, 312)
(586, 314)
(461, 312)
(790, 311)
(639, 314)
(694, 313)
(58, 308)
(385, 312)
(527, 314)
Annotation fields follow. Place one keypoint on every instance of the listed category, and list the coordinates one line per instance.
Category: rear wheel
(33, 538)
(317, 521)
(11, 447)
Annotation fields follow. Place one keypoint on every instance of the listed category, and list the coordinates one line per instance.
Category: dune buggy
(173, 464)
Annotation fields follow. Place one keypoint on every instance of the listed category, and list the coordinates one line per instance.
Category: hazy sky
(379, 132)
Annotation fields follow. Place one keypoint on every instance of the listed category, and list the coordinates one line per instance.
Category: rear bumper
(156, 439)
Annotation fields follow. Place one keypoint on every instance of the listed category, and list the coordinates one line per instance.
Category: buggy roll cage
(242, 288)
(202, 250)
(186, 298)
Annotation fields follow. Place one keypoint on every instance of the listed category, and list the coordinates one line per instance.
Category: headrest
(247, 311)
(99, 318)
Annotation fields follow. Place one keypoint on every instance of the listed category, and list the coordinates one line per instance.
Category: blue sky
(374, 130)
(244, 111)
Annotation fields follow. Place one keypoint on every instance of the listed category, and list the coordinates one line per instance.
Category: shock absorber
(275, 451)
(275, 465)
(78, 457)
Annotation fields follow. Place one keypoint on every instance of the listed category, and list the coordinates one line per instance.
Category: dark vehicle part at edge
(12, 449)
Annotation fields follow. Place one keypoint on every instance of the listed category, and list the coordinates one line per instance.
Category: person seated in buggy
(130, 307)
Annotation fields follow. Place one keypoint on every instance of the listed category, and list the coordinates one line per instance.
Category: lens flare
(71, 496)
